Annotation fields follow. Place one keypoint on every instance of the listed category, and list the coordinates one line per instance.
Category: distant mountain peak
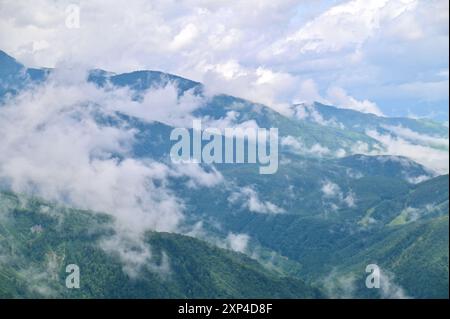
(8, 64)
(4, 55)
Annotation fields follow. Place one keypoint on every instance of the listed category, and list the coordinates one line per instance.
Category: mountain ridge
(119, 78)
(337, 193)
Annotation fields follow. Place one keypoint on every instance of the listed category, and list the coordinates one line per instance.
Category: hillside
(350, 190)
(37, 241)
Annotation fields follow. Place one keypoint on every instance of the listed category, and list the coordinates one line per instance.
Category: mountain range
(352, 189)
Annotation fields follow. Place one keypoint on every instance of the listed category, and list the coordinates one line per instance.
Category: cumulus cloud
(56, 144)
(332, 191)
(417, 138)
(433, 158)
(184, 37)
(53, 146)
(389, 289)
(338, 286)
(412, 214)
(237, 242)
(417, 179)
(337, 96)
(347, 24)
(251, 201)
(38, 282)
(350, 199)
(296, 145)
(273, 52)
(135, 256)
(197, 176)
(160, 104)
(308, 111)
(262, 85)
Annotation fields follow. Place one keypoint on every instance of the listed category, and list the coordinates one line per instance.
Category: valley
(140, 226)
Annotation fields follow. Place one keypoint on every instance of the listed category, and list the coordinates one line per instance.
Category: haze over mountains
(352, 189)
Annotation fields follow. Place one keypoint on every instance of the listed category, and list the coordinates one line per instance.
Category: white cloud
(309, 91)
(251, 201)
(308, 111)
(417, 179)
(54, 147)
(337, 96)
(160, 104)
(389, 289)
(282, 46)
(412, 214)
(347, 24)
(414, 137)
(332, 191)
(350, 199)
(198, 176)
(185, 37)
(237, 242)
(299, 147)
(338, 286)
(262, 85)
(432, 158)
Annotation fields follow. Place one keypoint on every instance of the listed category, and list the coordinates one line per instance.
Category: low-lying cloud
(58, 143)
(250, 200)
(332, 192)
(434, 158)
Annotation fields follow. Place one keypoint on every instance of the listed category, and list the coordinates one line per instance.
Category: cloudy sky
(386, 56)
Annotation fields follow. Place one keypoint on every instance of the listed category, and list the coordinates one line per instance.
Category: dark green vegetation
(38, 240)
(401, 228)
(337, 214)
